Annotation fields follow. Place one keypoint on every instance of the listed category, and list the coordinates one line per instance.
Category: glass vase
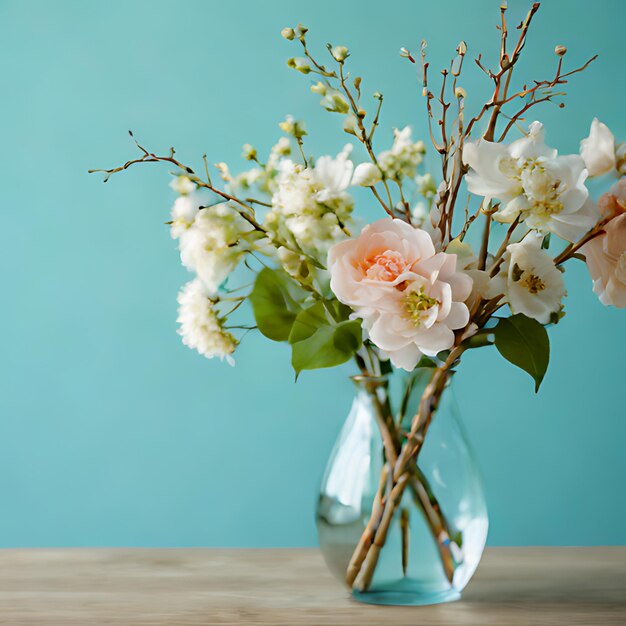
(437, 527)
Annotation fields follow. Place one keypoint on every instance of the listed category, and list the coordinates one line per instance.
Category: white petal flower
(200, 326)
(409, 297)
(598, 149)
(183, 185)
(545, 190)
(185, 210)
(529, 280)
(333, 175)
(209, 246)
(366, 175)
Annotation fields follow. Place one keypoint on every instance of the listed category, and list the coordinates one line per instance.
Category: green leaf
(426, 361)
(318, 341)
(275, 302)
(327, 346)
(524, 342)
(308, 321)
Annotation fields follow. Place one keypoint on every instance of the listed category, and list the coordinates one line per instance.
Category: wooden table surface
(147, 587)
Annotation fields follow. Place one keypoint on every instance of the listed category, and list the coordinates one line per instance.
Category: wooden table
(147, 587)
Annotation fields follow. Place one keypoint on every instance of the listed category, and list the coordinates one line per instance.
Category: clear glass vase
(438, 528)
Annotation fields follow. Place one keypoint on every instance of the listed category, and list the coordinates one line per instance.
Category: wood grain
(154, 587)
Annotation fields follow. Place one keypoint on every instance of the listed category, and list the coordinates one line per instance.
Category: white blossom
(598, 149)
(545, 190)
(311, 205)
(529, 280)
(185, 209)
(211, 246)
(200, 326)
(333, 175)
(183, 184)
(404, 157)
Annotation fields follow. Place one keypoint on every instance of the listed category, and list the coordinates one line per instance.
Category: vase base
(399, 597)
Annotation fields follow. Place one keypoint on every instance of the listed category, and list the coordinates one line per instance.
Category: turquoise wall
(113, 433)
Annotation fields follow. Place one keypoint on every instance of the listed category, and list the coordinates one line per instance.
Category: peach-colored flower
(606, 260)
(613, 202)
(410, 298)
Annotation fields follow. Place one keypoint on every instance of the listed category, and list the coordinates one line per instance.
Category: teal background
(113, 433)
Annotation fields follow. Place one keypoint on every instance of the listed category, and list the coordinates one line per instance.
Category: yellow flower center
(531, 281)
(417, 303)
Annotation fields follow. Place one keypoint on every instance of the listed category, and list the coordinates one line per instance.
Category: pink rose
(409, 297)
(606, 260)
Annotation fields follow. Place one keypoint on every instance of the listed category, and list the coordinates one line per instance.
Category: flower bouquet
(470, 257)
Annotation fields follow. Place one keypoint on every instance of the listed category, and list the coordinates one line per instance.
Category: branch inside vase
(400, 471)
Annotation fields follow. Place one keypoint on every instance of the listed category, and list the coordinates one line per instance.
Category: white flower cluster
(311, 206)
(200, 326)
(212, 240)
(404, 156)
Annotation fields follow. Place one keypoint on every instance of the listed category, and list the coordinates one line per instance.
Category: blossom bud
(350, 125)
(249, 153)
(222, 168)
(293, 127)
(426, 185)
(340, 53)
(335, 103)
(300, 64)
(366, 175)
(319, 88)
(301, 31)
(282, 148)
(288, 33)
(560, 50)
